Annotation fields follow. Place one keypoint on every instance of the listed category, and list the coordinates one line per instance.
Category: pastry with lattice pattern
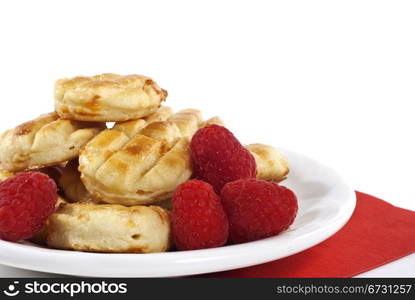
(141, 166)
(44, 141)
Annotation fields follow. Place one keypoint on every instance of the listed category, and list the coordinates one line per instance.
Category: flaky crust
(109, 228)
(5, 174)
(140, 168)
(213, 121)
(70, 181)
(132, 127)
(72, 186)
(107, 97)
(44, 141)
(271, 164)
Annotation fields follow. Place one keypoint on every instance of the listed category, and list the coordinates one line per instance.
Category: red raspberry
(218, 157)
(257, 209)
(198, 218)
(26, 201)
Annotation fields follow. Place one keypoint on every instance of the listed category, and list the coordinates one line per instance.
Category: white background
(331, 79)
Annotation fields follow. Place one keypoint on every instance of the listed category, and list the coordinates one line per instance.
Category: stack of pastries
(115, 181)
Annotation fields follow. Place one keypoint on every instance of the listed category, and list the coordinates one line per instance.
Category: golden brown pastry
(144, 168)
(131, 128)
(70, 181)
(271, 164)
(107, 97)
(5, 174)
(215, 120)
(188, 121)
(72, 186)
(44, 141)
(109, 228)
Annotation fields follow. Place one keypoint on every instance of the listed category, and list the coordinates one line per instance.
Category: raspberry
(198, 218)
(26, 201)
(218, 157)
(257, 209)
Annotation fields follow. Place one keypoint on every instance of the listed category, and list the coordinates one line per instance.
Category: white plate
(325, 205)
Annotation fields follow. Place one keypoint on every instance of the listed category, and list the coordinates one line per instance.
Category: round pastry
(109, 228)
(70, 181)
(140, 168)
(44, 141)
(107, 97)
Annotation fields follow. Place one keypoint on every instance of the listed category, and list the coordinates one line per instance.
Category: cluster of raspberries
(226, 202)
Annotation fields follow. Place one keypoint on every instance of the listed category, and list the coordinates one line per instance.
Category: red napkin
(376, 234)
